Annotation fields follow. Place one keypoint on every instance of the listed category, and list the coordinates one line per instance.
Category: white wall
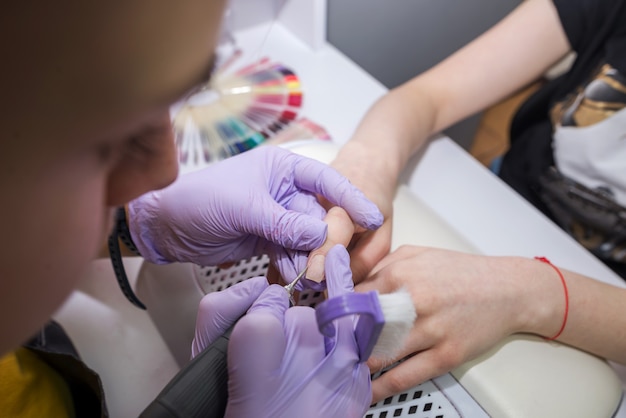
(252, 12)
(395, 40)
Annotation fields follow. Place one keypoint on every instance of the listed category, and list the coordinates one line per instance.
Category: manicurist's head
(84, 94)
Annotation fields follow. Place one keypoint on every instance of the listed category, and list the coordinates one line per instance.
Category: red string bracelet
(558, 334)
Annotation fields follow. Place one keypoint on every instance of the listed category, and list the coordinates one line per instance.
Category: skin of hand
(467, 303)
(400, 123)
(91, 134)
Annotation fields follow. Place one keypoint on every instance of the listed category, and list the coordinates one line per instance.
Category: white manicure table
(447, 198)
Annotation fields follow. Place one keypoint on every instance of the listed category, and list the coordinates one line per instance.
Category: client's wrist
(355, 155)
(542, 298)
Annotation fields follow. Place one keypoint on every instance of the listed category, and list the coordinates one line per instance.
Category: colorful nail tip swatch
(237, 112)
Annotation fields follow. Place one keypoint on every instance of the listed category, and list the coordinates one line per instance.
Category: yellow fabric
(31, 388)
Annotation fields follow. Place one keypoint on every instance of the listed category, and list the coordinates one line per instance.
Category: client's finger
(340, 231)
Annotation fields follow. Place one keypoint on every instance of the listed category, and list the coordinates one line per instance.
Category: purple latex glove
(218, 311)
(281, 366)
(260, 201)
(291, 263)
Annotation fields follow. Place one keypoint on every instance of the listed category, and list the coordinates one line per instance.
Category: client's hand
(281, 366)
(465, 304)
(367, 247)
(261, 201)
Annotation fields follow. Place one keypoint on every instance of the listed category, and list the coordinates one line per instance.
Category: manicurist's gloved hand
(261, 201)
(218, 311)
(281, 366)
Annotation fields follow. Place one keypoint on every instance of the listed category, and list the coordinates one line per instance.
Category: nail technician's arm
(512, 54)
(457, 294)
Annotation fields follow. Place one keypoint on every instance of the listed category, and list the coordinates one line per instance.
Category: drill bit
(291, 287)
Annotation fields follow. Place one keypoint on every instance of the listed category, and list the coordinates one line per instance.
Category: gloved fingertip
(340, 255)
(368, 215)
(338, 273)
(241, 294)
(256, 285)
(314, 235)
(306, 284)
(274, 300)
(302, 232)
(374, 219)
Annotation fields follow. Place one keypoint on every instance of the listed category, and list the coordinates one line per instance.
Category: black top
(596, 30)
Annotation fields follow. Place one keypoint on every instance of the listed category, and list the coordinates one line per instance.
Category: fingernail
(316, 268)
